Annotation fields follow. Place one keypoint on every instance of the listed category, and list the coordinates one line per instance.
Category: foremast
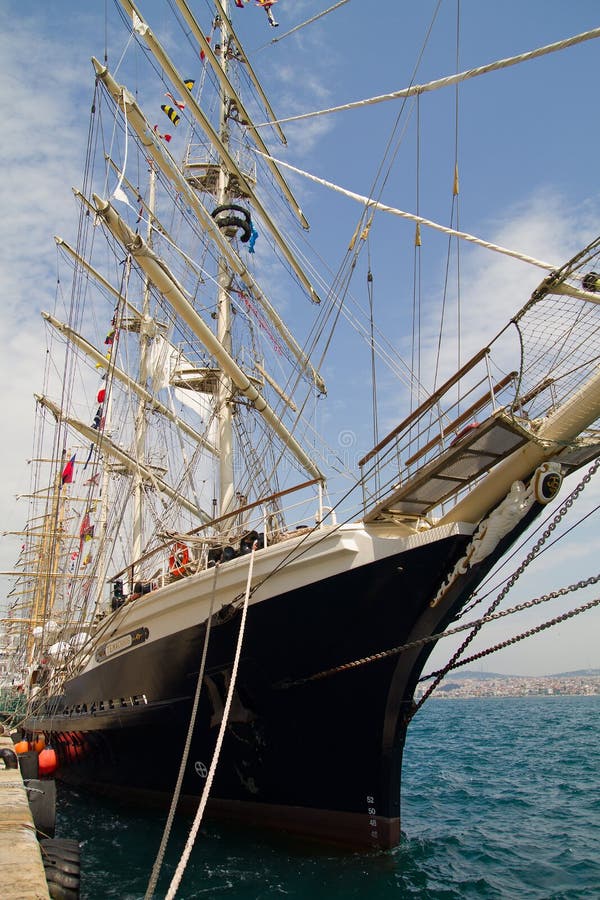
(140, 421)
(231, 185)
(225, 383)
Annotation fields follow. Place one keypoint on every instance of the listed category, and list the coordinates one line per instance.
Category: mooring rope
(175, 800)
(213, 766)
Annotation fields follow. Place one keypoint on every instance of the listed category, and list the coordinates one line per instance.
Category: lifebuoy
(179, 559)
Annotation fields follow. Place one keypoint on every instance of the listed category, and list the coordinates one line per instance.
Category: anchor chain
(568, 503)
(520, 637)
(491, 617)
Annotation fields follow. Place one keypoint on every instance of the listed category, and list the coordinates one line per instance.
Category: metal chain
(568, 503)
(394, 651)
(490, 615)
(525, 634)
(513, 579)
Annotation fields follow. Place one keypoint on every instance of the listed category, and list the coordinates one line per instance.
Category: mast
(164, 281)
(225, 384)
(227, 160)
(44, 591)
(140, 419)
(165, 162)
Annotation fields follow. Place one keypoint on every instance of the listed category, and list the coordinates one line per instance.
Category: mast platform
(205, 177)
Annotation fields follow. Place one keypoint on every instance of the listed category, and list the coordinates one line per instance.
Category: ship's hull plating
(320, 757)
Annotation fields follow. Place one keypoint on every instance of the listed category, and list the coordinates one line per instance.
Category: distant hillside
(485, 676)
(579, 673)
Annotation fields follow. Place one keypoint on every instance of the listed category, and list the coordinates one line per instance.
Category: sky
(527, 139)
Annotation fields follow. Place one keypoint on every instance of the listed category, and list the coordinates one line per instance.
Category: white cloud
(42, 156)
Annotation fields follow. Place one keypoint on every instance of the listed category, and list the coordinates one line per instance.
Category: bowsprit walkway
(22, 875)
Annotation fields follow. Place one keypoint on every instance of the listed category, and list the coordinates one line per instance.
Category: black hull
(321, 758)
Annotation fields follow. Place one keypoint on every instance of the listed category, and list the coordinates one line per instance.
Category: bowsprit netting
(559, 330)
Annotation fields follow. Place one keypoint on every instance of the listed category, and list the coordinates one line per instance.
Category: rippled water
(500, 800)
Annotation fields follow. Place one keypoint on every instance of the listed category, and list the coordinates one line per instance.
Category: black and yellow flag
(171, 113)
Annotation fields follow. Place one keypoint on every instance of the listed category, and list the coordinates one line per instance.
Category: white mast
(165, 162)
(140, 419)
(159, 274)
(225, 386)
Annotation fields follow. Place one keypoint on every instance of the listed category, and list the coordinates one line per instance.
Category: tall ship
(215, 602)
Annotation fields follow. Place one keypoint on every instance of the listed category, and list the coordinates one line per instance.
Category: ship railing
(203, 168)
(222, 539)
(447, 419)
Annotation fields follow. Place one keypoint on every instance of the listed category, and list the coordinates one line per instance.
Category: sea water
(500, 799)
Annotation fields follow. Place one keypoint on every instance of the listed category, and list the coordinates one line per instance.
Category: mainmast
(228, 184)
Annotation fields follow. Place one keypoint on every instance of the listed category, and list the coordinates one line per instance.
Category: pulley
(591, 282)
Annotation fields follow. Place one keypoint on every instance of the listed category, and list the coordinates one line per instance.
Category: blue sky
(527, 148)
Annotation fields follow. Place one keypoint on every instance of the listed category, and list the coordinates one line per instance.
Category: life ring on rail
(179, 559)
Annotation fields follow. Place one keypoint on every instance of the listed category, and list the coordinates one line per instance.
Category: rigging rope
(213, 766)
(375, 204)
(320, 15)
(448, 80)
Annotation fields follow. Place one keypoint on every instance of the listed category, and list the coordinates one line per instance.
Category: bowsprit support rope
(448, 80)
(213, 766)
(403, 214)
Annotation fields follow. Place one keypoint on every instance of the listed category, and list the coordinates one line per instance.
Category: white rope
(374, 204)
(449, 79)
(176, 794)
(213, 766)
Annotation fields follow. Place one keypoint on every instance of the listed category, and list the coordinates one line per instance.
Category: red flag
(86, 529)
(101, 395)
(67, 475)
(165, 137)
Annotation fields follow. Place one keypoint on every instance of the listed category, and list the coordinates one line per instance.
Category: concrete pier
(22, 875)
